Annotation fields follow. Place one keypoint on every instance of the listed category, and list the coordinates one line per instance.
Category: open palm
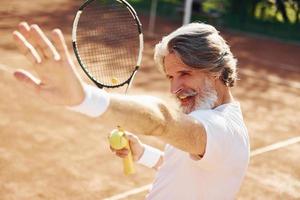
(57, 82)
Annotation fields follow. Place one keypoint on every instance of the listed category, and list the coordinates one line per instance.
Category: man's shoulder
(224, 117)
(219, 111)
(227, 107)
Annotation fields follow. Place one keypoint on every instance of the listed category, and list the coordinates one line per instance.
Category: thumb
(131, 137)
(27, 80)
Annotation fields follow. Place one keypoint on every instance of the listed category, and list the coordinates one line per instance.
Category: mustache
(186, 92)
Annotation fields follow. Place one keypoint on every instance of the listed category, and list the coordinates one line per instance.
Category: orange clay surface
(47, 152)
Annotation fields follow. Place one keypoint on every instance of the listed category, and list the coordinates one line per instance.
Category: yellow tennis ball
(114, 80)
(117, 139)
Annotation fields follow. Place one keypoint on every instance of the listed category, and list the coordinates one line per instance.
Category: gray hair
(200, 46)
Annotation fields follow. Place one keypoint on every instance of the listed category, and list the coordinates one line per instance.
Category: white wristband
(150, 156)
(95, 103)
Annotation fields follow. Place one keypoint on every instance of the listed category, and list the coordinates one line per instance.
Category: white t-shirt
(219, 174)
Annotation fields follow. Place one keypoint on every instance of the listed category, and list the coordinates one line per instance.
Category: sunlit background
(48, 152)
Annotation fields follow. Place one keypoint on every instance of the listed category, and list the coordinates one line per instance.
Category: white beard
(206, 99)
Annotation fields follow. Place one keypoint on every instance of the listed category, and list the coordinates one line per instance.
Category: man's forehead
(173, 63)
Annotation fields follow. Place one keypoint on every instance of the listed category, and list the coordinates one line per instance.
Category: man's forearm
(136, 114)
(150, 116)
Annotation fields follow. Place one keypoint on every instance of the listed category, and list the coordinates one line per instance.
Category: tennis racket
(108, 43)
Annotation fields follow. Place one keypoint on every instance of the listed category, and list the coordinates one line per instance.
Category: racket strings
(108, 42)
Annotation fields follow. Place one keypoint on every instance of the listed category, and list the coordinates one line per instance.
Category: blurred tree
(244, 9)
(281, 8)
(253, 7)
(241, 8)
(295, 4)
(197, 6)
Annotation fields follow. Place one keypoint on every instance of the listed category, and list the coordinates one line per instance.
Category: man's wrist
(95, 103)
(150, 156)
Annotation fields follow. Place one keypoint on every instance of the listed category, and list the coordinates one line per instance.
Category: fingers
(27, 79)
(26, 48)
(24, 29)
(121, 152)
(60, 43)
(43, 43)
(135, 146)
(36, 38)
(132, 138)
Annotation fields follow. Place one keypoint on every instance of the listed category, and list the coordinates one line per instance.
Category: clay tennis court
(47, 152)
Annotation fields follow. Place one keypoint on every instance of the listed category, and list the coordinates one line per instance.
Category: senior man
(207, 149)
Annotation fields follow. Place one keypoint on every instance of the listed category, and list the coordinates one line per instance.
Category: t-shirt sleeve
(218, 138)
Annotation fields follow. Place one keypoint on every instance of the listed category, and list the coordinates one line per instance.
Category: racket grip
(128, 165)
(118, 141)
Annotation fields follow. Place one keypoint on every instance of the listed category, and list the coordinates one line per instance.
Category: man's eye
(184, 74)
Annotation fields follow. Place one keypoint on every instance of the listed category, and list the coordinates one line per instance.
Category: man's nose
(176, 86)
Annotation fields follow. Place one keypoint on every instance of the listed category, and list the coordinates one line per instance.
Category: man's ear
(215, 75)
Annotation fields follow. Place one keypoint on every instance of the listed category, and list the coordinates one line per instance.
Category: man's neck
(224, 94)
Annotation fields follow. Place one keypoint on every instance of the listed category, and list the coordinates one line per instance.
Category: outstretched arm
(59, 83)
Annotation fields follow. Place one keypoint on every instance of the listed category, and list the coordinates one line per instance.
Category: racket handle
(118, 141)
(128, 166)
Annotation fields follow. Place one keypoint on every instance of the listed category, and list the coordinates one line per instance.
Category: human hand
(136, 146)
(57, 82)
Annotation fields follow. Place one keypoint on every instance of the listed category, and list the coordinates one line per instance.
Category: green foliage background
(256, 16)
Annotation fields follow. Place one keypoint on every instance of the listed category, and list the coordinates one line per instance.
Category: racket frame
(141, 45)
